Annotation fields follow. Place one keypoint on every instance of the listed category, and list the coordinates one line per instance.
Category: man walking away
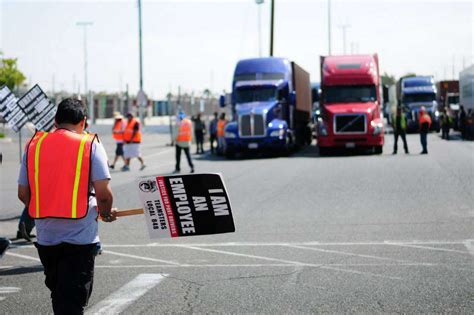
(220, 134)
(132, 136)
(199, 132)
(117, 133)
(183, 132)
(213, 131)
(425, 124)
(399, 122)
(64, 182)
(445, 124)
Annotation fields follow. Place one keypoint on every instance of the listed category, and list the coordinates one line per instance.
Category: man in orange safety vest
(184, 132)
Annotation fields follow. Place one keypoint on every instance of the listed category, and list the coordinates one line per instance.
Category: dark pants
(445, 133)
(403, 135)
(212, 138)
(199, 141)
(69, 271)
(424, 141)
(27, 221)
(178, 157)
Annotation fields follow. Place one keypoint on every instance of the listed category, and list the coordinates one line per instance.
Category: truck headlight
(229, 135)
(378, 127)
(277, 133)
(322, 129)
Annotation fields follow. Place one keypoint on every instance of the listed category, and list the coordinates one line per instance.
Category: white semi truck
(466, 98)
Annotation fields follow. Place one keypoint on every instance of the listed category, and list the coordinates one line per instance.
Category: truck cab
(351, 103)
(416, 92)
(271, 105)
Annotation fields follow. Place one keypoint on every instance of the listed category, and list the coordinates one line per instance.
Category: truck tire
(323, 151)
(378, 149)
(229, 154)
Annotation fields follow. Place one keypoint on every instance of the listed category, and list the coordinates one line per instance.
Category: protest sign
(185, 205)
(9, 109)
(38, 108)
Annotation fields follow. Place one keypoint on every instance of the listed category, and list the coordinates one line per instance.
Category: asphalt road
(351, 233)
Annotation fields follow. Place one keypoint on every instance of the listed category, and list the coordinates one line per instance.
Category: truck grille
(350, 123)
(252, 125)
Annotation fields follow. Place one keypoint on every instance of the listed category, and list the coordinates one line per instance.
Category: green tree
(9, 73)
(388, 79)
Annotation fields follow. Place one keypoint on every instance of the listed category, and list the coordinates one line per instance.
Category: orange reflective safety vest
(128, 132)
(118, 129)
(220, 127)
(184, 131)
(58, 166)
(425, 118)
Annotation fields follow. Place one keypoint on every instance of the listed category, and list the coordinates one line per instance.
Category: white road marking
(238, 244)
(2, 298)
(297, 263)
(6, 290)
(126, 295)
(23, 256)
(158, 153)
(346, 253)
(429, 248)
(141, 257)
(469, 246)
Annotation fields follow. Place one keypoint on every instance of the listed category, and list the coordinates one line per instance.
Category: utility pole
(84, 26)
(141, 95)
(329, 27)
(344, 28)
(272, 22)
(454, 67)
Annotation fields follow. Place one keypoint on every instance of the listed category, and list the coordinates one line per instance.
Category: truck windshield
(349, 94)
(453, 99)
(256, 94)
(416, 98)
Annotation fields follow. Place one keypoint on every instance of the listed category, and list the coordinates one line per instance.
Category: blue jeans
(27, 220)
(424, 141)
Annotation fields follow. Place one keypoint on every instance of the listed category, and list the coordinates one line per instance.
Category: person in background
(445, 124)
(67, 204)
(132, 136)
(213, 131)
(199, 132)
(183, 132)
(425, 124)
(117, 133)
(221, 133)
(399, 122)
(462, 122)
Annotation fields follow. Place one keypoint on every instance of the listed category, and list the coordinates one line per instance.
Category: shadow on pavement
(21, 270)
(17, 217)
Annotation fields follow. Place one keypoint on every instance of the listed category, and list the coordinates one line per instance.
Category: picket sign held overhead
(38, 108)
(9, 109)
(185, 205)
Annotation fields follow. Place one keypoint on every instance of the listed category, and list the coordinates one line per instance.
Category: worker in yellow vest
(184, 132)
(220, 133)
(64, 183)
(117, 133)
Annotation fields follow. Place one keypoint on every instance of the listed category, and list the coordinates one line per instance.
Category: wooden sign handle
(123, 213)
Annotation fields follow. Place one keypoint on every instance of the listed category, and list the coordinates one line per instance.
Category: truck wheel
(230, 154)
(378, 149)
(288, 145)
(323, 151)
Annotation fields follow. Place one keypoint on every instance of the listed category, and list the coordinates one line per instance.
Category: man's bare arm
(104, 197)
(24, 194)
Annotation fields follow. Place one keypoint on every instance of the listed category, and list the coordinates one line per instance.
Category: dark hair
(70, 111)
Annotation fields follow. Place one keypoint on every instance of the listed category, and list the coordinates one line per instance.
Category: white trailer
(466, 98)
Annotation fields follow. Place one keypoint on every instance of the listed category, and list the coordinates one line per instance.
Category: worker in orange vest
(184, 132)
(64, 183)
(117, 133)
(132, 136)
(425, 124)
(220, 133)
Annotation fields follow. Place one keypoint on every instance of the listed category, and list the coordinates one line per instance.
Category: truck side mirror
(222, 101)
(292, 97)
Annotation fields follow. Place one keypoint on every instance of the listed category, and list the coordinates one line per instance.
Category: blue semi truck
(414, 93)
(271, 107)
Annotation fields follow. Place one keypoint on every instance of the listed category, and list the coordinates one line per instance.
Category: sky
(194, 44)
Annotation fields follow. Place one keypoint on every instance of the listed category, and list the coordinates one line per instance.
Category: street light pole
(84, 26)
(272, 22)
(140, 106)
(259, 26)
(329, 27)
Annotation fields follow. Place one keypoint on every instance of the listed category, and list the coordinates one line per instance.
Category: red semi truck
(351, 103)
